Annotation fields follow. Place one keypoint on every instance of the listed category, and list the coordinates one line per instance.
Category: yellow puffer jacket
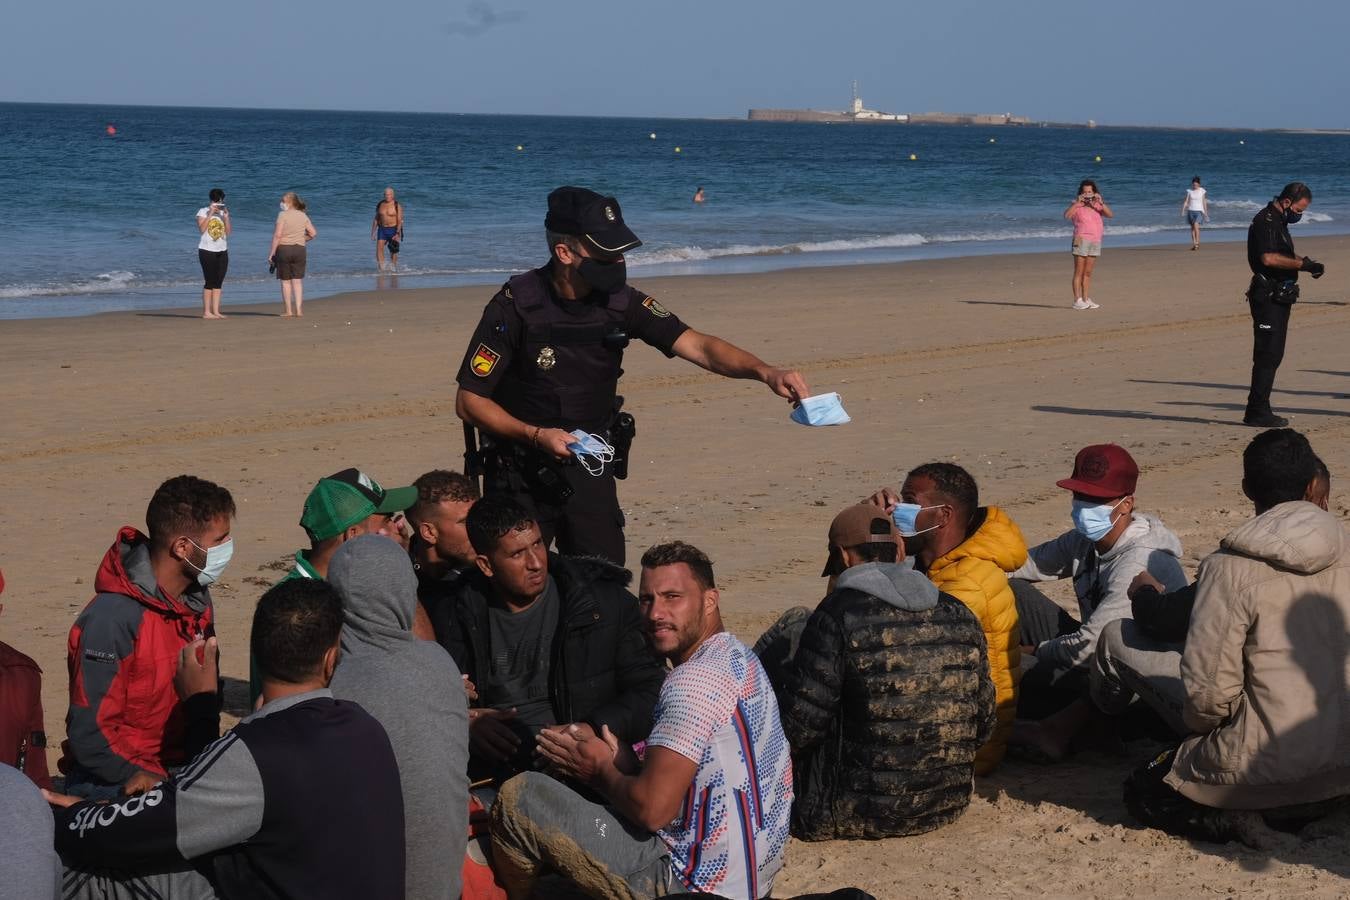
(976, 574)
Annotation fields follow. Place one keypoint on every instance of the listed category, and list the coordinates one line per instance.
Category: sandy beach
(977, 360)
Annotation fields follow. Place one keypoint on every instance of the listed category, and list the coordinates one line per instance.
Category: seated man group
(617, 728)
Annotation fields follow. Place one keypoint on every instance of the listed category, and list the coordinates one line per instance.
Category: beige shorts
(290, 260)
(1084, 247)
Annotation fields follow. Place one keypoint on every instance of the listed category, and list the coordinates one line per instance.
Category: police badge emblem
(546, 359)
(609, 213)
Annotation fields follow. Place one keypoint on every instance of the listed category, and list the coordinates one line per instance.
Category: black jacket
(603, 671)
(885, 704)
(300, 799)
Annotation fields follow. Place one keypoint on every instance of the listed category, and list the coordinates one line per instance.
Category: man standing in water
(387, 228)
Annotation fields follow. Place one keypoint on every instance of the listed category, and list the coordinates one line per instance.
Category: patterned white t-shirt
(718, 710)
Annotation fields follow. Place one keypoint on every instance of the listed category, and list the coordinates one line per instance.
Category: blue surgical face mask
(217, 558)
(906, 518)
(1093, 520)
(592, 451)
(822, 409)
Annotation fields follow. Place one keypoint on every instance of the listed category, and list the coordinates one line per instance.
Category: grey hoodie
(896, 583)
(413, 689)
(1100, 579)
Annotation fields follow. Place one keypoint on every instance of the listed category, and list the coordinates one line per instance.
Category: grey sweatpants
(1128, 663)
(541, 825)
(183, 884)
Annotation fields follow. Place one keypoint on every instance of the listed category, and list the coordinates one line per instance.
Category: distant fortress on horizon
(861, 115)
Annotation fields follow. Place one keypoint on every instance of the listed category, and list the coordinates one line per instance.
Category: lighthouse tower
(856, 106)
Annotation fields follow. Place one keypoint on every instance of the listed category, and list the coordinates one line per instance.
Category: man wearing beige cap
(912, 662)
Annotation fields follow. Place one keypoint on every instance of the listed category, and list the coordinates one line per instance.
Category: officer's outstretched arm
(725, 358)
(487, 414)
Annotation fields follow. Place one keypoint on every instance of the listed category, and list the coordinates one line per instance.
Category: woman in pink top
(1086, 213)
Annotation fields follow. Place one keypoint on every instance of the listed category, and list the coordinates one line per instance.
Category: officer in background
(1272, 294)
(546, 359)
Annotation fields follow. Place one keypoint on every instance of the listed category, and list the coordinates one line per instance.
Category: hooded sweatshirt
(885, 704)
(414, 690)
(1100, 580)
(1267, 666)
(122, 655)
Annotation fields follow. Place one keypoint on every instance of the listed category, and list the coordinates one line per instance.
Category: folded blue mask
(591, 451)
(822, 409)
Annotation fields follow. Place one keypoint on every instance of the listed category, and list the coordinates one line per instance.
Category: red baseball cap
(1104, 471)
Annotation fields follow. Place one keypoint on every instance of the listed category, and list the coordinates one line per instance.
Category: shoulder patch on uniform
(100, 656)
(656, 308)
(484, 360)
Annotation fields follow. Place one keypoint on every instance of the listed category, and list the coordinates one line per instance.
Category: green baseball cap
(341, 500)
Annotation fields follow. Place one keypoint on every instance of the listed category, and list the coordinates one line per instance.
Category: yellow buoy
(913, 156)
(677, 149)
(519, 147)
(1097, 159)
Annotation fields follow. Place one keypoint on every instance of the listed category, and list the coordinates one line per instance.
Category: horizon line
(1034, 123)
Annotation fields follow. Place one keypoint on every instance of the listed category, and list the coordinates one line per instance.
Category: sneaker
(1265, 420)
(1092, 304)
(1080, 303)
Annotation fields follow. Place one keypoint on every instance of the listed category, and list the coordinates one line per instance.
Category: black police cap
(595, 219)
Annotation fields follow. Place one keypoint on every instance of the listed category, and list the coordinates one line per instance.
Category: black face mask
(1291, 217)
(604, 277)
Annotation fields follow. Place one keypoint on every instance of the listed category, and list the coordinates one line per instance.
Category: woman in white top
(212, 251)
(1195, 207)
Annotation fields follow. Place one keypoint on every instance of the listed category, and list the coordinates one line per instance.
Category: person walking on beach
(387, 229)
(1195, 207)
(286, 256)
(1272, 293)
(1086, 213)
(213, 222)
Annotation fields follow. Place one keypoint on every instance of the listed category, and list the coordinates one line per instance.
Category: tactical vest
(566, 373)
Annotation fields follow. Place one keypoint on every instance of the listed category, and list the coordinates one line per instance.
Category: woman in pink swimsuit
(1087, 213)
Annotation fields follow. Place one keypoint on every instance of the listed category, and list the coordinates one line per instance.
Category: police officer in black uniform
(1272, 293)
(546, 359)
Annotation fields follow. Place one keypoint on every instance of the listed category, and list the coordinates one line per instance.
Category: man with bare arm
(387, 229)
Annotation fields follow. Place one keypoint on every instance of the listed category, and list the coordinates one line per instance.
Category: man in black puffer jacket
(887, 697)
(545, 640)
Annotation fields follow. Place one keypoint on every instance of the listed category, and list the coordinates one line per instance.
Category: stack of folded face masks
(822, 409)
(591, 451)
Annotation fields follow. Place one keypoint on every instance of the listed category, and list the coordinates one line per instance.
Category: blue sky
(1187, 62)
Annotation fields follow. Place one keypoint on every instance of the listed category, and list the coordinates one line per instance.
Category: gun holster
(622, 430)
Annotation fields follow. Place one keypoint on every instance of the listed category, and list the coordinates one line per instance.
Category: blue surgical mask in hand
(822, 409)
(592, 451)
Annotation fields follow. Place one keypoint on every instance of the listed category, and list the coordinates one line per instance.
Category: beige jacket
(1267, 666)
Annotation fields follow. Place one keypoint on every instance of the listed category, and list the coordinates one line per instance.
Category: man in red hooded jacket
(126, 725)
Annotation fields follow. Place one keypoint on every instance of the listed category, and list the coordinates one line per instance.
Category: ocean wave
(105, 282)
(696, 253)
(1317, 217)
(1237, 204)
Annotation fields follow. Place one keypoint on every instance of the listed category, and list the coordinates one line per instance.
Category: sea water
(97, 203)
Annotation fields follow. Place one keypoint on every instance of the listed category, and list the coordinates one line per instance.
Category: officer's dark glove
(1312, 267)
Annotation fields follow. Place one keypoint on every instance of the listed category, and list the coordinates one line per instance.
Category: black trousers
(1045, 688)
(589, 523)
(1154, 803)
(1270, 324)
